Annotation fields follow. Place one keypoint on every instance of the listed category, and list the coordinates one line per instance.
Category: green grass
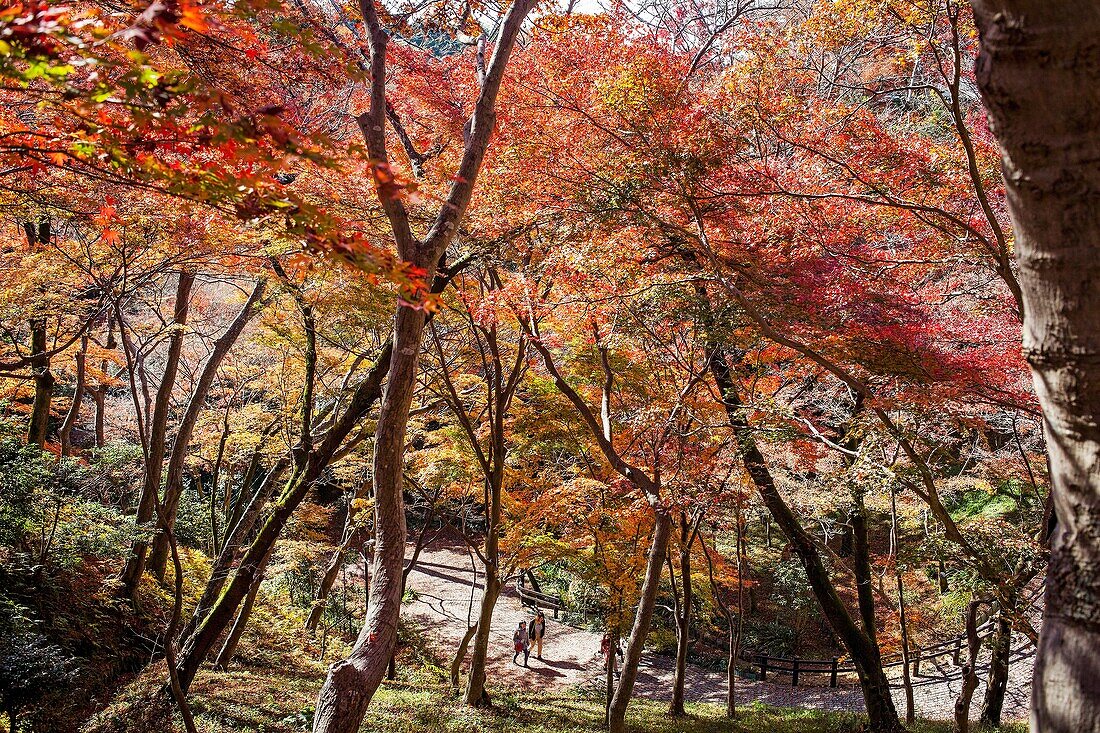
(281, 701)
(412, 707)
(273, 684)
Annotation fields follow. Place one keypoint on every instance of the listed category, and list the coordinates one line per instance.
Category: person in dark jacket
(536, 630)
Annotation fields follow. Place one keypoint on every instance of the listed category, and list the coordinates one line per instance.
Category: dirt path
(447, 597)
(441, 583)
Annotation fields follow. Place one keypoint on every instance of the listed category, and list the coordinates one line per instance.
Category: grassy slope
(272, 686)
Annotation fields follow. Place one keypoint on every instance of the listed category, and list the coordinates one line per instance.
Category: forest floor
(272, 684)
(445, 596)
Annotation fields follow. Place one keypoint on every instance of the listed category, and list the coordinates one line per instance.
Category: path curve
(445, 596)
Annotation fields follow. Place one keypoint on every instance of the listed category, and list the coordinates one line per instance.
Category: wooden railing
(536, 598)
(794, 667)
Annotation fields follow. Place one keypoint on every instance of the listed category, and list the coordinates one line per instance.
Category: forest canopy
(696, 323)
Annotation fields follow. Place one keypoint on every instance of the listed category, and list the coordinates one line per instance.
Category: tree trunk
(997, 680)
(173, 485)
(343, 699)
(683, 620)
(643, 617)
(460, 654)
(969, 673)
(733, 634)
(158, 427)
(216, 609)
(609, 671)
(475, 679)
(906, 676)
(66, 431)
(351, 683)
(1037, 71)
(861, 564)
(229, 648)
(235, 538)
(863, 652)
(475, 682)
(43, 385)
(99, 397)
(332, 570)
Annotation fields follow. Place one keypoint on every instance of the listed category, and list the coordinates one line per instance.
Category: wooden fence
(536, 598)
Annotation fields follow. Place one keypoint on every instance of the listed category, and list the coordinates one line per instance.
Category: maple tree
(606, 296)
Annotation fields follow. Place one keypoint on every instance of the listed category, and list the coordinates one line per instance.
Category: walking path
(447, 598)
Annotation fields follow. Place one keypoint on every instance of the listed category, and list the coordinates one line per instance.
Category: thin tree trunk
(421, 541)
(732, 630)
(460, 654)
(683, 615)
(229, 648)
(609, 671)
(215, 483)
(873, 682)
(1037, 73)
(332, 570)
(66, 431)
(39, 425)
(735, 651)
(154, 460)
(1000, 658)
(99, 397)
(476, 694)
(969, 671)
(643, 618)
(234, 540)
(906, 677)
(173, 486)
(861, 563)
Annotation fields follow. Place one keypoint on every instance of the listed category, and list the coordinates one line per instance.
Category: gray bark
(1037, 71)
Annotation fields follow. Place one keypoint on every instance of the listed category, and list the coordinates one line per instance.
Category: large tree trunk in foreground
(1037, 71)
(351, 683)
(158, 428)
(643, 619)
(343, 699)
(222, 610)
(876, 689)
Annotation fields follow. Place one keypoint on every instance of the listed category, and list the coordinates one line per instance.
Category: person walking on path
(611, 652)
(522, 642)
(536, 631)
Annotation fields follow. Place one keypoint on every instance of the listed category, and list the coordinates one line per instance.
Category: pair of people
(527, 635)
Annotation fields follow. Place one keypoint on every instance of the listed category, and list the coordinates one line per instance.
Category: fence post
(794, 673)
(958, 650)
(762, 660)
(832, 673)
